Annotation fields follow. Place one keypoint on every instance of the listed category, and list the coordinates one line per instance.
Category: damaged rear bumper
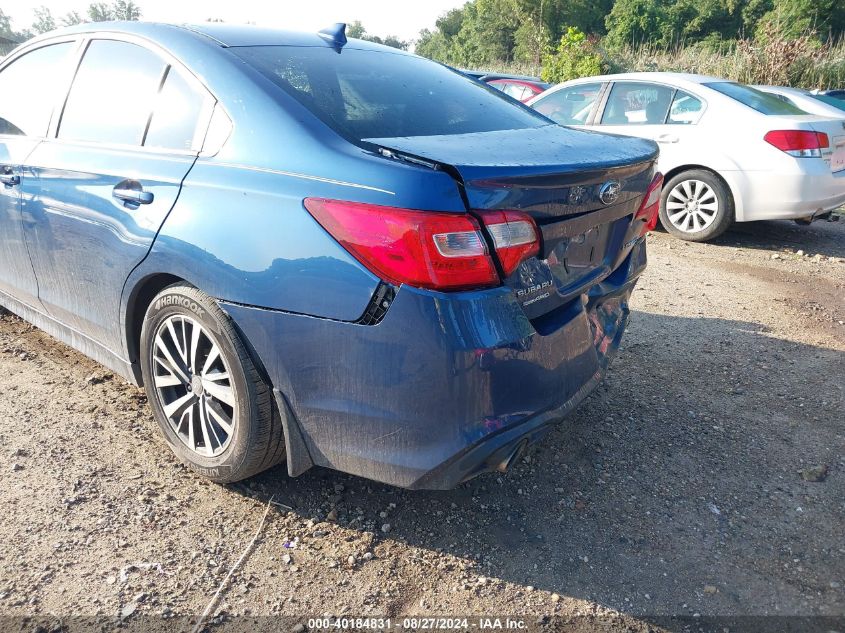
(445, 387)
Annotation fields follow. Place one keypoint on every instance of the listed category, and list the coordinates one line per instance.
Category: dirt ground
(706, 477)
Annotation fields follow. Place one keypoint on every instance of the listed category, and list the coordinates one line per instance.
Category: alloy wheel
(194, 386)
(692, 206)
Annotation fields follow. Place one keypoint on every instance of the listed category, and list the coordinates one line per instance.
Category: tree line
(356, 30)
(44, 20)
(484, 32)
(795, 42)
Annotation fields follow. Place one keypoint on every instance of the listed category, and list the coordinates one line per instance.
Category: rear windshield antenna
(335, 34)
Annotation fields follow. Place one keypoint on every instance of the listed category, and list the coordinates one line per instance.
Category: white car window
(685, 110)
(636, 103)
(569, 106)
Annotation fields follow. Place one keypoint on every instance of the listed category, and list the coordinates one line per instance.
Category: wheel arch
(140, 297)
(138, 300)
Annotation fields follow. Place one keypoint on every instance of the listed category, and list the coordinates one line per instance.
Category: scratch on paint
(386, 435)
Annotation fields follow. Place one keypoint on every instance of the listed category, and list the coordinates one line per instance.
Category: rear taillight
(650, 206)
(798, 143)
(514, 235)
(426, 249)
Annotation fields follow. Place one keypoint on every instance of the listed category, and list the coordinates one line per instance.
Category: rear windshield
(373, 94)
(753, 98)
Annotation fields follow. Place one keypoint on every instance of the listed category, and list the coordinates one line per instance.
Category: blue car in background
(316, 250)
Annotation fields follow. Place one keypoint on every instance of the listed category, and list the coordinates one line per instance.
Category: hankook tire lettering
(171, 300)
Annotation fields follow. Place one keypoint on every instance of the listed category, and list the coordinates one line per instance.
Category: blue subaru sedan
(312, 250)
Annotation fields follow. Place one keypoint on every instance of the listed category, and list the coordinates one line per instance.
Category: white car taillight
(798, 143)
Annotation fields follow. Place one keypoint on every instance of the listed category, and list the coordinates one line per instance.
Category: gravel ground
(705, 477)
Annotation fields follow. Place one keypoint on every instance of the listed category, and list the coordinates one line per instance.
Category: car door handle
(10, 180)
(133, 193)
(667, 138)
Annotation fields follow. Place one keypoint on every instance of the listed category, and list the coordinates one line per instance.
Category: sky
(402, 18)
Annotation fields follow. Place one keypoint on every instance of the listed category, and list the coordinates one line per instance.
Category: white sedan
(730, 153)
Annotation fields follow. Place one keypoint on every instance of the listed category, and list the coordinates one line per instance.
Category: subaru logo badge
(609, 192)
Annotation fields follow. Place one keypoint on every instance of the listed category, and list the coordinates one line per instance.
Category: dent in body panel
(363, 396)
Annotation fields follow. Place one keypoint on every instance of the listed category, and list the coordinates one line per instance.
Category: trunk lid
(581, 187)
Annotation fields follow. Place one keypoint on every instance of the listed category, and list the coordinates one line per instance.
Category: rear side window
(177, 113)
(758, 100)
(569, 106)
(28, 90)
(113, 94)
(365, 94)
(635, 103)
(685, 110)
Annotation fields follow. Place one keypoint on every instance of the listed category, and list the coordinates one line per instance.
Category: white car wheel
(692, 206)
(696, 205)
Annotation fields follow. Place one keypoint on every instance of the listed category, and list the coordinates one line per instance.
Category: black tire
(254, 441)
(724, 214)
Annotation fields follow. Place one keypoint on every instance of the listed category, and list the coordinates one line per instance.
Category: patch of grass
(802, 62)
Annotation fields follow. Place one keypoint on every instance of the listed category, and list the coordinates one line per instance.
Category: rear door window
(758, 100)
(29, 89)
(570, 106)
(636, 103)
(686, 109)
(113, 94)
(364, 94)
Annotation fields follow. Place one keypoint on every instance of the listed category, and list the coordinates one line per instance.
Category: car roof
(224, 35)
(676, 78)
(680, 80)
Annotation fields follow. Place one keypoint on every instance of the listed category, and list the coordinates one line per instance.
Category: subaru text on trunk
(314, 250)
